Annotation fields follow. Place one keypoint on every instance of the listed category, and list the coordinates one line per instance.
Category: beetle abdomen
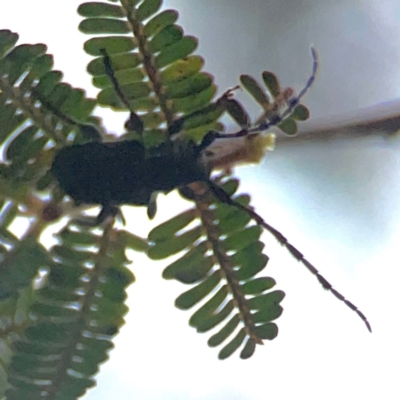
(103, 173)
(123, 172)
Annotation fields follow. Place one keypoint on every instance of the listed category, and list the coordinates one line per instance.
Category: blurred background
(333, 191)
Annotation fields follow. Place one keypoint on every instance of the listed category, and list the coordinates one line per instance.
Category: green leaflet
(120, 62)
(117, 279)
(73, 237)
(101, 25)
(215, 319)
(288, 126)
(20, 265)
(191, 267)
(227, 330)
(194, 271)
(200, 118)
(209, 308)
(196, 101)
(19, 59)
(191, 297)
(254, 89)
(176, 51)
(187, 263)
(233, 345)
(172, 226)
(14, 313)
(237, 221)
(301, 113)
(124, 77)
(25, 146)
(147, 8)
(112, 44)
(47, 332)
(105, 310)
(100, 10)
(168, 36)
(267, 331)
(255, 265)
(258, 285)
(248, 349)
(174, 244)
(242, 239)
(269, 299)
(132, 241)
(267, 315)
(193, 84)
(8, 120)
(8, 40)
(134, 90)
(182, 69)
(159, 22)
(48, 82)
(237, 112)
(272, 83)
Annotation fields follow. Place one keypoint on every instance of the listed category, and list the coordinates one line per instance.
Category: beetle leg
(106, 212)
(152, 206)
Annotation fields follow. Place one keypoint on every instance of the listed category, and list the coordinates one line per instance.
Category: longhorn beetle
(126, 172)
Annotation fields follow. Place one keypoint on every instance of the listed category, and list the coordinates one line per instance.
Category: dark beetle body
(125, 172)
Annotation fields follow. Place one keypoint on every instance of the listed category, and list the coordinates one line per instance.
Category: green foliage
(179, 88)
(74, 317)
(221, 261)
(60, 307)
(274, 92)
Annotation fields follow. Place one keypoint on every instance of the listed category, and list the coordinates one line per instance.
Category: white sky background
(337, 202)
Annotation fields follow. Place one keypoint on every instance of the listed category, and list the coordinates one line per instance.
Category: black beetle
(126, 172)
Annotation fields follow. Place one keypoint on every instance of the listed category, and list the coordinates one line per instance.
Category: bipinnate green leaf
(36, 111)
(173, 79)
(75, 315)
(224, 275)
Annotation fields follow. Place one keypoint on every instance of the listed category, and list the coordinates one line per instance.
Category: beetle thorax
(175, 164)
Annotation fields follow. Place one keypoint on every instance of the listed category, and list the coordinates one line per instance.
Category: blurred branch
(382, 119)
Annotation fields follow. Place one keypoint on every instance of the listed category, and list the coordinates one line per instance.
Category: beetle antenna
(110, 73)
(272, 121)
(225, 198)
(134, 123)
